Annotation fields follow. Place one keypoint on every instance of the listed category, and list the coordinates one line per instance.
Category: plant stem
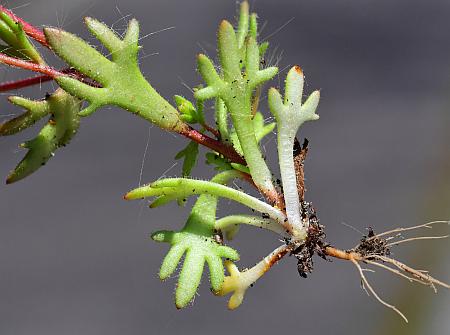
(289, 180)
(21, 83)
(17, 84)
(221, 120)
(47, 70)
(238, 282)
(187, 186)
(255, 221)
(241, 116)
(224, 149)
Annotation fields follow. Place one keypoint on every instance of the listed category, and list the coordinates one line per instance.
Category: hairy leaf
(122, 83)
(235, 88)
(190, 154)
(196, 242)
(18, 44)
(59, 130)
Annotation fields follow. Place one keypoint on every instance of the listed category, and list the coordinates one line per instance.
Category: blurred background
(76, 259)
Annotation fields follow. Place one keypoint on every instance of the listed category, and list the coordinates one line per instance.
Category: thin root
(420, 275)
(370, 289)
(415, 239)
(374, 250)
(399, 273)
(402, 229)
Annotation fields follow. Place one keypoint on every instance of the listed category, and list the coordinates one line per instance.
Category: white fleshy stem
(287, 170)
(290, 115)
(238, 282)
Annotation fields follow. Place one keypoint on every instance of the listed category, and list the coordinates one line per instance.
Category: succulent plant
(93, 80)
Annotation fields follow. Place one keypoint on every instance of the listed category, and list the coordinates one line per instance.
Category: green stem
(183, 187)
(202, 218)
(238, 102)
(233, 220)
(221, 120)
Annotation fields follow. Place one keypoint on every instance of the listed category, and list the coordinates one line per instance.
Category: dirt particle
(371, 244)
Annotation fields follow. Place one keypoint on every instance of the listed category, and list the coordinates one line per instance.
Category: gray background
(76, 259)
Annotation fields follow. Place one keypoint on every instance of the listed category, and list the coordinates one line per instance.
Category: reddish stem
(30, 66)
(21, 83)
(29, 29)
(226, 150)
(213, 131)
(17, 84)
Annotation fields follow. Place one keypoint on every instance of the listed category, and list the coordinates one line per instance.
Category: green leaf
(261, 130)
(222, 120)
(240, 167)
(235, 88)
(61, 127)
(197, 249)
(196, 242)
(221, 164)
(243, 24)
(190, 154)
(230, 224)
(18, 44)
(169, 189)
(122, 83)
(36, 110)
(187, 109)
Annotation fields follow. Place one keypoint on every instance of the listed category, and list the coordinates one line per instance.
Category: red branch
(29, 29)
(226, 150)
(17, 84)
(23, 64)
(21, 83)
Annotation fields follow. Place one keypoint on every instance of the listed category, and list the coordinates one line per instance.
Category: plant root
(374, 249)
(369, 288)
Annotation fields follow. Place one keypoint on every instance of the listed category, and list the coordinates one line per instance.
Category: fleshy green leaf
(122, 83)
(187, 109)
(222, 120)
(240, 167)
(197, 249)
(221, 164)
(18, 44)
(61, 127)
(230, 224)
(36, 110)
(261, 130)
(235, 88)
(190, 154)
(169, 189)
(196, 242)
(243, 24)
